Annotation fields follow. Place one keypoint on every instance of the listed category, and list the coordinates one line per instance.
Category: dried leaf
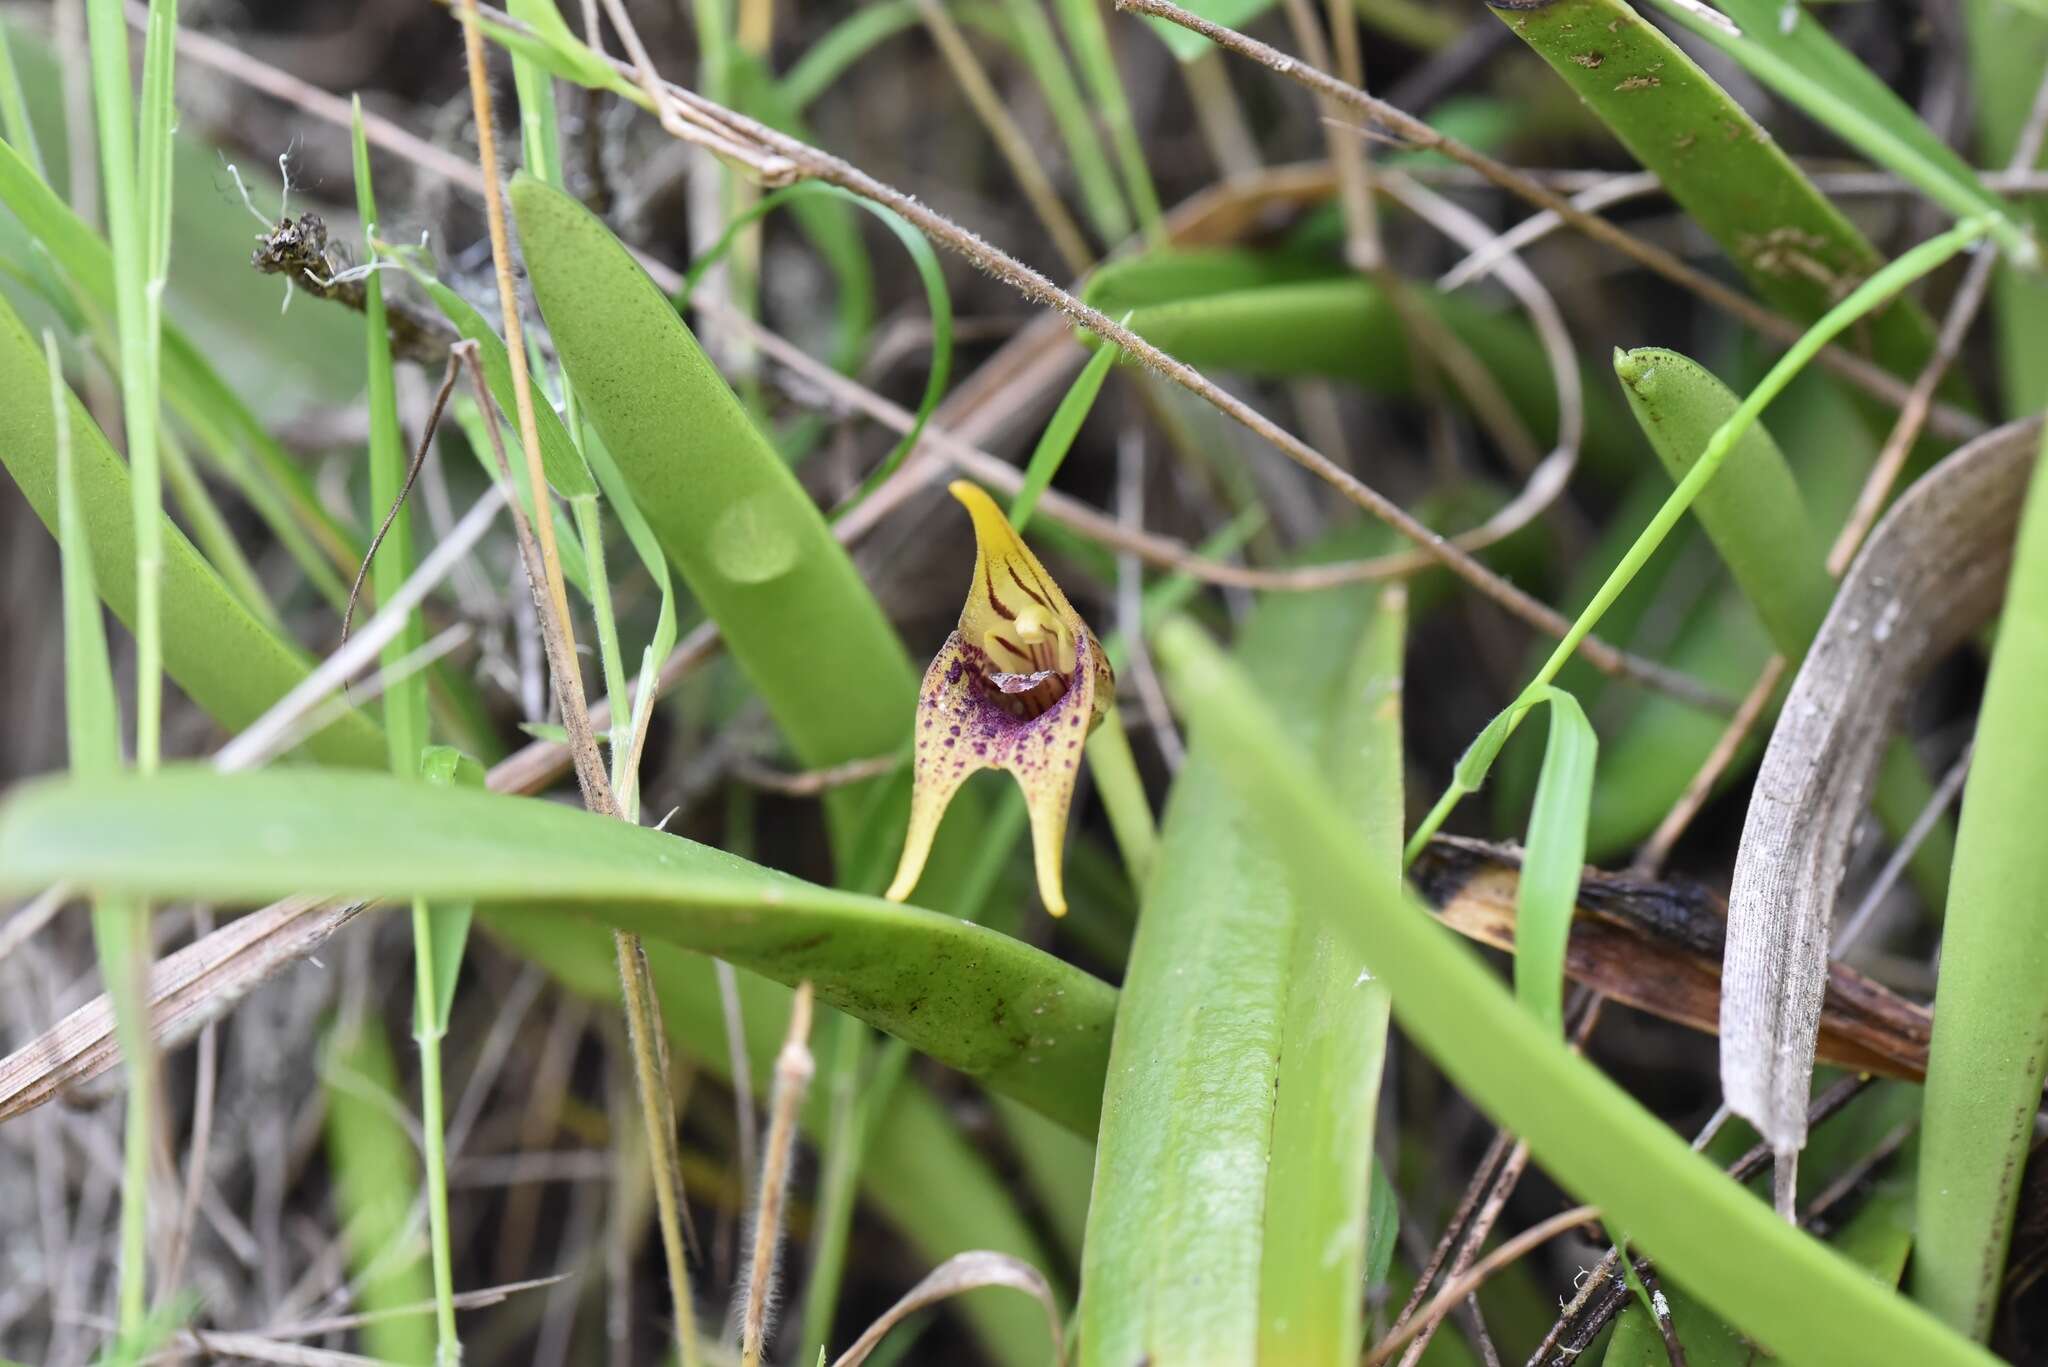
(963, 1272)
(1932, 573)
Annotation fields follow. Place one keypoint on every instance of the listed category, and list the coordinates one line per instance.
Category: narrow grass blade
(1032, 36)
(92, 716)
(405, 704)
(2007, 51)
(377, 1173)
(1985, 1068)
(1059, 434)
(92, 722)
(218, 653)
(198, 834)
(15, 124)
(1088, 36)
(1548, 892)
(1781, 1288)
(1789, 51)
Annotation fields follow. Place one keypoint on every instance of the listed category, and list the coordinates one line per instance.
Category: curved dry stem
(1864, 374)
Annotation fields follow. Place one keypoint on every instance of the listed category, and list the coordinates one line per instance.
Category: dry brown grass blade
(960, 1273)
(1933, 571)
(1657, 946)
(187, 990)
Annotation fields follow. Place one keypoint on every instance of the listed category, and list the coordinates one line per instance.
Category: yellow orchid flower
(1018, 686)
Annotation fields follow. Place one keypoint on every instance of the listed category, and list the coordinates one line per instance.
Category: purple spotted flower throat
(1018, 685)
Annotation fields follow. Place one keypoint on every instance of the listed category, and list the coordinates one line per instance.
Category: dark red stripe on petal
(989, 582)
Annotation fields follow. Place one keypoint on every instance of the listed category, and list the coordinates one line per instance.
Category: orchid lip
(1027, 696)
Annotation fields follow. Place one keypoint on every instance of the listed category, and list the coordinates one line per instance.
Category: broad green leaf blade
(1319, 1236)
(938, 299)
(920, 1173)
(1171, 1268)
(1789, 51)
(729, 514)
(1780, 1287)
(1059, 434)
(1985, 1067)
(221, 655)
(1548, 891)
(1021, 1021)
(1753, 510)
(1796, 250)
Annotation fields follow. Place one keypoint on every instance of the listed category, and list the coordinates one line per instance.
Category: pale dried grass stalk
(793, 1071)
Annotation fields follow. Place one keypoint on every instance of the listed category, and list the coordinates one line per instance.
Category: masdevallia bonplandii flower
(1017, 686)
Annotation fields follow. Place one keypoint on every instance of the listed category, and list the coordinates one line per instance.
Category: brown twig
(1460, 1287)
(793, 1070)
(544, 573)
(1863, 373)
(1010, 140)
(812, 782)
(412, 473)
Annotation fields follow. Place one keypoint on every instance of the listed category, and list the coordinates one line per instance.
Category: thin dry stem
(793, 1070)
(812, 782)
(1458, 1288)
(1498, 1191)
(544, 572)
(1010, 140)
(515, 348)
(1863, 373)
(1658, 847)
(412, 474)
